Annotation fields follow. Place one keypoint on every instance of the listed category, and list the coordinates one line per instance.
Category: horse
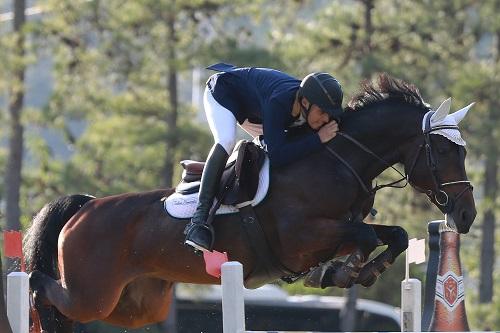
(117, 258)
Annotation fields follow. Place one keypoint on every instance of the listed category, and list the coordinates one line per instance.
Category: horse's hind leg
(86, 303)
(396, 240)
(143, 301)
(51, 320)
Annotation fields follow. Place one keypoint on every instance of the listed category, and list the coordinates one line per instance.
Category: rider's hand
(328, 131)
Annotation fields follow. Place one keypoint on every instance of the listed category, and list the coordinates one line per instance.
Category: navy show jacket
(264, 96)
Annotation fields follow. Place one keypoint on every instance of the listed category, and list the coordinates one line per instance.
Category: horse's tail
(40, 251)
(40, 241)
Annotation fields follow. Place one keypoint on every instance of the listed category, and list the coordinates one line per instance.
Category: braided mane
(386, 88)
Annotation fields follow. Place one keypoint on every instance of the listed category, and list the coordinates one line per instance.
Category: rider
(262, 101)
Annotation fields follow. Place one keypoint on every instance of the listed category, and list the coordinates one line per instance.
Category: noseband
(444, 201)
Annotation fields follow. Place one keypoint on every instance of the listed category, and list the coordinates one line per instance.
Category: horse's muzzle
(461, 219)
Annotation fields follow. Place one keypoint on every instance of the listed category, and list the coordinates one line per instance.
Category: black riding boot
(200, 234)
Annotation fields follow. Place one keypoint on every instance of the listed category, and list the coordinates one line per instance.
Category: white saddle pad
(183, 206)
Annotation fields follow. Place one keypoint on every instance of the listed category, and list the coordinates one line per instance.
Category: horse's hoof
(328, 279)
(368, 282)
(344, 277)
(367, 276)
(320, 277)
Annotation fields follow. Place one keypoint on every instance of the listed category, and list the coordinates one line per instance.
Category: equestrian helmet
(323, 90)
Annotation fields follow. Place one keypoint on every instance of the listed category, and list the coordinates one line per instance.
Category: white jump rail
(233, 305)
(232, 300)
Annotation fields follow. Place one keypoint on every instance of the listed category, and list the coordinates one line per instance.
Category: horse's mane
(386, 88)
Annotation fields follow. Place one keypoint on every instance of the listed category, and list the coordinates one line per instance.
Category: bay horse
(117, 258)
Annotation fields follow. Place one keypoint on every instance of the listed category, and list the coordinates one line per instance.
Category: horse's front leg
(344, 274)
(396, 240)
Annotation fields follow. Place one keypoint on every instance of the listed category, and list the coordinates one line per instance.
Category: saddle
(240, 179)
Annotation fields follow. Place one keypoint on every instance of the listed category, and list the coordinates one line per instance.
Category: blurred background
(104, 97)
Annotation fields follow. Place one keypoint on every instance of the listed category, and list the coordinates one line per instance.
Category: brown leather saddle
(240, 179)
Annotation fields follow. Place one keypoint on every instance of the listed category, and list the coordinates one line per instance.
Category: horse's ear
(460, 114)
(442, 111)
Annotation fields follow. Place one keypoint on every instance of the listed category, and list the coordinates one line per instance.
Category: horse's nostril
(468, 215)
(464, 215)
(466, 218)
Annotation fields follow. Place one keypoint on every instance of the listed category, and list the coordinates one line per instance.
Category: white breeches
(222, 123)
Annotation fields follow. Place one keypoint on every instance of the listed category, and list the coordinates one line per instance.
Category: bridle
(444, 201)
(439, 194)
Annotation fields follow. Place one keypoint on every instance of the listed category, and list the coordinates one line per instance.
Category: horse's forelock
(385, 88)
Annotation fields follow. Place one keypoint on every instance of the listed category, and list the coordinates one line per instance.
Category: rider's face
(317, 118)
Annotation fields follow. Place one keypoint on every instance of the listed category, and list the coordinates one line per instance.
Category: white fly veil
(442, 118)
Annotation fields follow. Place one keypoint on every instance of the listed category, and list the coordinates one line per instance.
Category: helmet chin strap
(304, 111)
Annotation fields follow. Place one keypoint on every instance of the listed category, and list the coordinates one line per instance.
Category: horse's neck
(383, 131)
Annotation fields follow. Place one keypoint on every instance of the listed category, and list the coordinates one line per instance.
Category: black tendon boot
(200, 234)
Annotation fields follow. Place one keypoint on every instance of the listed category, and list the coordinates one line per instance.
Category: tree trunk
(366, 67)
(169, 325)
(15, 153)
(171, 116)
(488, 229)
(490, 195)
(369, 6)
(487, 258)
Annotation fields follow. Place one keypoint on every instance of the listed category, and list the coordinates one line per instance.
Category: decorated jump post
(449, 302)
(17, 285)
(432, 269)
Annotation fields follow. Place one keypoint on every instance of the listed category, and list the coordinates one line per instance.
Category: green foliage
(110, 99)
(484, 317)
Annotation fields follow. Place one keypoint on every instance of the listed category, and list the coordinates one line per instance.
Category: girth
(267, 265)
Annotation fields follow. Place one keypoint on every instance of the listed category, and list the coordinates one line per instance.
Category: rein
(373, 190)
(440, 196)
